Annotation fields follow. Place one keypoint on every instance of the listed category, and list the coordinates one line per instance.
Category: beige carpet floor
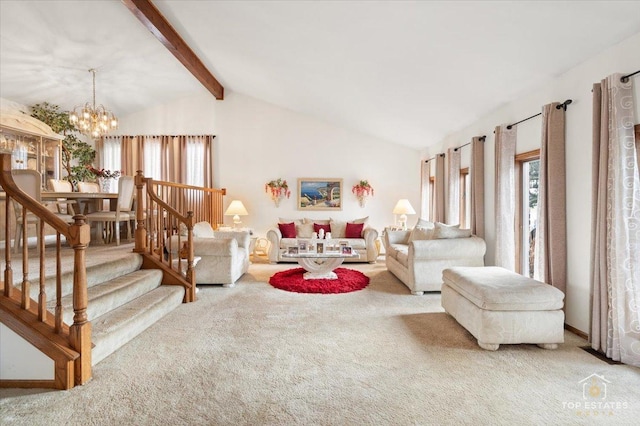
(256, 355)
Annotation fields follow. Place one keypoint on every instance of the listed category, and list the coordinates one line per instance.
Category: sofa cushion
(288, 242)
(450, 231)
(203, 230)
(354, 230)
(304, 230)
(288, 230)
(497, 289)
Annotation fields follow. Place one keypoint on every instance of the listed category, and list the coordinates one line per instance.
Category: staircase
(77, 315)
(123, 301)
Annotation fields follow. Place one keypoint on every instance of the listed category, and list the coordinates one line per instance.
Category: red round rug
(292, 280)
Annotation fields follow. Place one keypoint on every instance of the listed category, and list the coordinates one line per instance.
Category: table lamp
(236, 208)
(403, 208)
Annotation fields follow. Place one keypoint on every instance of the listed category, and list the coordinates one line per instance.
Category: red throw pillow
(288, 230)
(354, 230)
(317, 228)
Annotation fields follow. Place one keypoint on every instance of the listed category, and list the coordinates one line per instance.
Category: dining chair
(64, 205)
(123, 212)
(29, 182)
(90, 206)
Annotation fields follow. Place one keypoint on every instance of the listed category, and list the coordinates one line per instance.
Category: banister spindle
(42, 295)
(8, 273)
(26, 285)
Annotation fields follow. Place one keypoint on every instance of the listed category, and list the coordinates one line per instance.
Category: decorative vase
(362, 200)
(107, 184)
(276, 199)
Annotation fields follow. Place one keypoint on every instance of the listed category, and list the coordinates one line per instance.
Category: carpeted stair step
(115, 328)
(109, 295)
(96, 274)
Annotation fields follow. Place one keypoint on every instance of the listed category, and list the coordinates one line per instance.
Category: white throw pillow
(304, 230)
(421, 234)
(338, 228)
(296, 221)
(425, 224)
(203, 230)
(443, 231)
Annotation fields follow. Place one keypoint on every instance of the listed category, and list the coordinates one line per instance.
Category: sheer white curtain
(152, 154)
(195, 153)
(111, 153)
(615, 233)
(453, 205)
(505, 254)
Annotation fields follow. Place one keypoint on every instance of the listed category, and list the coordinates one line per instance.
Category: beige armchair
(224, 256)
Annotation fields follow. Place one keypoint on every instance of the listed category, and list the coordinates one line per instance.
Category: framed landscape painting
(319, 194)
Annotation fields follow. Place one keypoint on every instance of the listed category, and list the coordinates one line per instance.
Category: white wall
(20, 360)
(575, 84)
(257, 142)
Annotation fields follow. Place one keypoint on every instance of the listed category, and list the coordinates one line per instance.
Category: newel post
(80, 331)
(141, 230)
(190, 273)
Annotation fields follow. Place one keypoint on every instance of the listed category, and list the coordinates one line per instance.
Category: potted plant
(77, 155)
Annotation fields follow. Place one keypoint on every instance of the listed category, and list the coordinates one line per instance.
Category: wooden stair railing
(69, 347)
(165, 215)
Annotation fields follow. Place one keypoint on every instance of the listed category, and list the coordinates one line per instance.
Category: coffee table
(320, 265)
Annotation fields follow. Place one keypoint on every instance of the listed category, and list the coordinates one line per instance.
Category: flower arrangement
(362, 190)
(107, 174)
(278, 189)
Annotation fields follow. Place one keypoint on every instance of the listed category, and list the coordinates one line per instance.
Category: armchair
(224, 256)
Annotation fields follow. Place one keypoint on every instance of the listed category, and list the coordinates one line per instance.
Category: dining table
(82, 197)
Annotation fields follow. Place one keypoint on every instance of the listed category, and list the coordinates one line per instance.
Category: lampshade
(403, 207)
(237, 209)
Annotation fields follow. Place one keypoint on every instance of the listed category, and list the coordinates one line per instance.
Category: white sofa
(365, 246)
(419, 263)
(224, 256)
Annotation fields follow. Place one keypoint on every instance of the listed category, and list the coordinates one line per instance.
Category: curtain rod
(562, 105)
(153, 136)
(625, 78)
(432, 158)
(482, 138)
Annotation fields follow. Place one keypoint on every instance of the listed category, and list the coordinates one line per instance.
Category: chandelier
(91, 120)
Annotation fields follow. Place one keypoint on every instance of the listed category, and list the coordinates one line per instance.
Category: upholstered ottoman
(499, 306)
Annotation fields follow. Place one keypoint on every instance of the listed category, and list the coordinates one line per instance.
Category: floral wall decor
(362, 190)
(277, 189)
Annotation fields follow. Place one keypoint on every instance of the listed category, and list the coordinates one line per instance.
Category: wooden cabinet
(32, 145)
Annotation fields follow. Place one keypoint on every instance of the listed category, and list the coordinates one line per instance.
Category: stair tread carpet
(117, 327)
(109, 295)
(96, 274)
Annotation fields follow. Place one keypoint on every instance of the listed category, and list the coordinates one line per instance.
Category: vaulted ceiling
(406, 71)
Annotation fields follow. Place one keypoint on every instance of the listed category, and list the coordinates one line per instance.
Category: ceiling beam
(155, 22)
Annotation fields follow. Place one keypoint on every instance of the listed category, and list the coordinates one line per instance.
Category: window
(152, 157)
(195, 154)
(465, 198)
(527, 172)
(111, 159)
